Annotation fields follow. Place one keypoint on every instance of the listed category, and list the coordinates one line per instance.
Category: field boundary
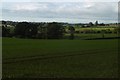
(102, 38)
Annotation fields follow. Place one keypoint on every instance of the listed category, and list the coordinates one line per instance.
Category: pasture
(34, 58)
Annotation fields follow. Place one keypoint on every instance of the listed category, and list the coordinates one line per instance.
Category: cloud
(60, 0)
(27, 6)
(57, 11)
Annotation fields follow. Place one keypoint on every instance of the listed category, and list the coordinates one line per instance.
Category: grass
(28, 58)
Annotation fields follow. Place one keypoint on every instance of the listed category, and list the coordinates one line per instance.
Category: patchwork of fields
(34, 58)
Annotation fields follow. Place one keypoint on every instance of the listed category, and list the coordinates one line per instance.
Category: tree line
(51, 30)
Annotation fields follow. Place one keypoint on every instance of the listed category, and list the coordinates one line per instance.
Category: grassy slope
(59, 58)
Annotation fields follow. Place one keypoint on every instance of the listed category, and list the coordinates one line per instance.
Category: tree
(91, 24)
(96, 23)
(26, 30)
(102, 24)
(72, 30)
(4, 23)
(5, 31)
(54, 30)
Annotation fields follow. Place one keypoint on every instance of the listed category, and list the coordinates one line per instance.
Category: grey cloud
(71, 10)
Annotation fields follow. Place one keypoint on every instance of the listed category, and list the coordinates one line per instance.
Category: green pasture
(34, 58)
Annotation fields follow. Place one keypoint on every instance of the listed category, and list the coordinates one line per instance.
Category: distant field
(59, 58)
(95, 28)
(86, 33)
(91, 36)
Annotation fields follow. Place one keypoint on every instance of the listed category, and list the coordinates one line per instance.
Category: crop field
(34, 58)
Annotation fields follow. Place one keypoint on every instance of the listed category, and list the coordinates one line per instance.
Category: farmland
(34, 58)
(91, 36)
(56, 40)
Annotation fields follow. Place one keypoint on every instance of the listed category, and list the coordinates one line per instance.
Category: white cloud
(89, 4)
(28, 6)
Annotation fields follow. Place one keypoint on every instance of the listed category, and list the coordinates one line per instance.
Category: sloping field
(27, 58)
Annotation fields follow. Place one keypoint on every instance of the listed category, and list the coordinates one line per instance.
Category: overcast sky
(72, 12)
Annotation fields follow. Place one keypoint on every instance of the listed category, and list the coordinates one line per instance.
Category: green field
(30, 58)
